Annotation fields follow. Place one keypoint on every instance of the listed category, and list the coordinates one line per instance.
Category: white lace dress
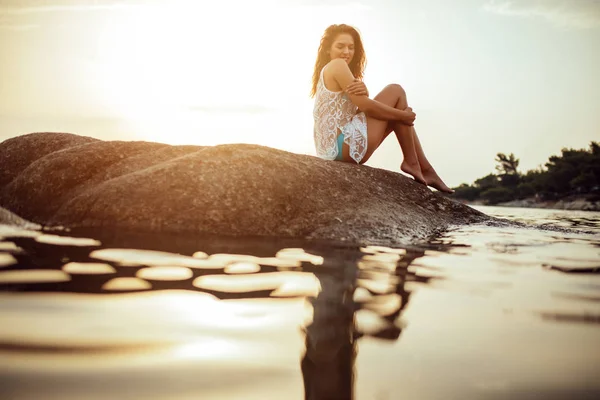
(334, 113)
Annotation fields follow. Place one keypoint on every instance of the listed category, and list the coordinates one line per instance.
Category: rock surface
(241, 189)
(8, 218)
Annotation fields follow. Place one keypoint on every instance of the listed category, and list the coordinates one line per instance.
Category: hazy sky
(484, 76)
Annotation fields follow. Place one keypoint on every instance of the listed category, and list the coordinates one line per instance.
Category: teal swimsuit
(340, 143)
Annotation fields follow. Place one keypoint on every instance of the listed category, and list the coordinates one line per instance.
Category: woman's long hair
(358, 63)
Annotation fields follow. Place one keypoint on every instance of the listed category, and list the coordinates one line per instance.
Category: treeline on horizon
(574, 172)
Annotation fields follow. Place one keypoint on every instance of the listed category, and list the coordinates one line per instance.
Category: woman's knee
(399, 93)
(396, 89)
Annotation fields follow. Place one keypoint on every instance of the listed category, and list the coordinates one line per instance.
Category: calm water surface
(483, 312)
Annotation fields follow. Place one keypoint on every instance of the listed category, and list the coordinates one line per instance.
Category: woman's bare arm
(343, 76)
(358, 88)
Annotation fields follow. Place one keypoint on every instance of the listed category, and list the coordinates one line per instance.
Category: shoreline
(573, 203)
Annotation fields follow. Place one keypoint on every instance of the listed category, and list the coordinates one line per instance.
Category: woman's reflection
(328, 364)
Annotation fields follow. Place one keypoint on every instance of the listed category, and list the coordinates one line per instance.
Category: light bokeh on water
(483, 311)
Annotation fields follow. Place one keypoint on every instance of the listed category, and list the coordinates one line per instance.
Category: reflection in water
(242, 268)
(328, 364)
(8, 246)
(354, 292)
(6, 259)
(33, 276)
(165, 273)
(170, 316)
(126, 284)
(66, 240)
(75, 268)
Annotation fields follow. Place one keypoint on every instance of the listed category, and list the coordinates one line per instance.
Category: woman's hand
(357, 88)
(410, 116)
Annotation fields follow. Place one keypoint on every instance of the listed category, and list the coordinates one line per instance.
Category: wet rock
(241, 189)
(9, 218)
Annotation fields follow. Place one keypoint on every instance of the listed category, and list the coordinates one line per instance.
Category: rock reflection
(354, 292)
(349, 307)
(132, 323)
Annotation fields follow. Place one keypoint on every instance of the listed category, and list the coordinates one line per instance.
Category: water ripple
(129, 315)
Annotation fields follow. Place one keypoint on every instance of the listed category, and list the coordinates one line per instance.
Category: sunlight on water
(6, 260)
(299, 255)
(133, 257)
(65, 240)
(482, 311)
(13, 231)
(75, 268)
(8, 246)
(33, 276)
(127, 284)
(165, 273)
(281, 281)
(242, 268)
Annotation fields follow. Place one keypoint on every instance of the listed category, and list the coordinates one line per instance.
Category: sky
(483, 76)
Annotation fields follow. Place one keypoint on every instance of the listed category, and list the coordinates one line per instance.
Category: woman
(349, 126)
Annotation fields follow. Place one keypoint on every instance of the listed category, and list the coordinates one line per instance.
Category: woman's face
(342, 47)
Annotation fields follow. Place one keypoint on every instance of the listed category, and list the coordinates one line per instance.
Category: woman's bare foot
(413, 170)
(434, 180)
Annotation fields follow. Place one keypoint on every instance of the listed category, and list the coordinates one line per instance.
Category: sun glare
(183, 73)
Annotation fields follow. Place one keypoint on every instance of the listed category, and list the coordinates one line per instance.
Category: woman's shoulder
(334, 65)
(333, 68)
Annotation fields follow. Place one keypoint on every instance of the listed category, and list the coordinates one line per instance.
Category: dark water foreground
(482, 312)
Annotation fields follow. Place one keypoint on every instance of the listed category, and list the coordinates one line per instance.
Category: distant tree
(466, 192)
(510, 180)
(562, 170)
(525, 189)
(487, 182)
(584, 182)
(574, 171)
(497, 195)
(595, 149)
(594, 168)
(533, 182)
(507, 165)
(509, 176)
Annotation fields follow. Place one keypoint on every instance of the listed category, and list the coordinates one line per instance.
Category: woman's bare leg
(429, 173)
(378, 130)
(411, 163)
(415, 162)
(409, 141)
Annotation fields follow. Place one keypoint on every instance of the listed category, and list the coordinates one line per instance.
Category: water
(482, 312)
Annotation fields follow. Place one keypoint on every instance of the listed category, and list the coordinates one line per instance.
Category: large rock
(241, 189)
(11, 219)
